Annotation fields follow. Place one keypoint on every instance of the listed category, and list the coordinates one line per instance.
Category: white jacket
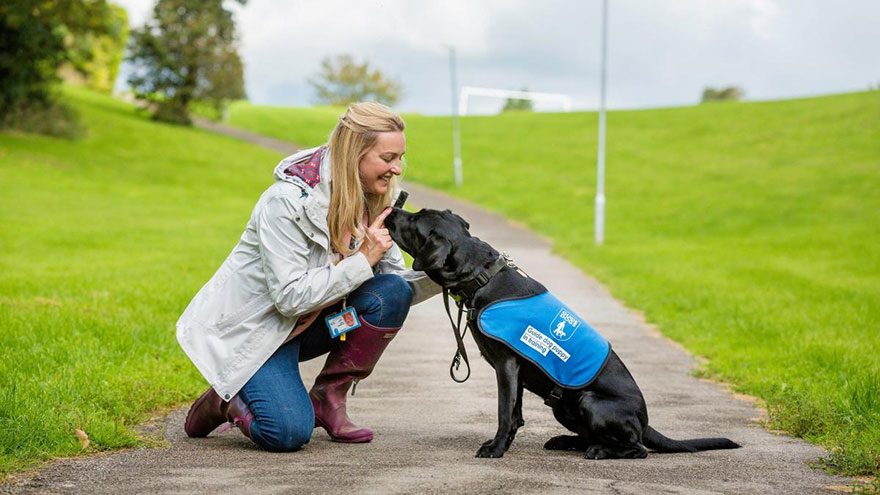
(278, 271)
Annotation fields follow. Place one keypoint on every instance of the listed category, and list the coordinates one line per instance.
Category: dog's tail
(656, 441)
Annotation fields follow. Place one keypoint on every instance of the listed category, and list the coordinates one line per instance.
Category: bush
(36, 38)
(730, 93)
(515, 104)
(50, 117)
(172, 112)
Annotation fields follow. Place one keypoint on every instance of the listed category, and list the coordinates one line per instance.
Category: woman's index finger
(380, 220)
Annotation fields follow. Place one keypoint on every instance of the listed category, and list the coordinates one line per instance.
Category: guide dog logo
(564, 325)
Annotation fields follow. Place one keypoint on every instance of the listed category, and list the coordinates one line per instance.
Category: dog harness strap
(554, 397)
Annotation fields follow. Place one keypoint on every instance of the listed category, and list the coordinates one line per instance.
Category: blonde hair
(354, 135)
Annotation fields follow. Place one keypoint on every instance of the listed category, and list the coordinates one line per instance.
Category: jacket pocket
(228, 321)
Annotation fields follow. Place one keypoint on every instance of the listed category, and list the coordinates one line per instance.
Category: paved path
(428, 427)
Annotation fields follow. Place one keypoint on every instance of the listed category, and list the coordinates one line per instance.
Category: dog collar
(467, 289)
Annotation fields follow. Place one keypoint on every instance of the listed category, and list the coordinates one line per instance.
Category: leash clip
(456, 364)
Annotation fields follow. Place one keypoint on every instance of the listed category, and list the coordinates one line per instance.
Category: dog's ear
(458, 219)
(433, 254)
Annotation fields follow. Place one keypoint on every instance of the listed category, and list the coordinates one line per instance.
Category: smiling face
(382, 162)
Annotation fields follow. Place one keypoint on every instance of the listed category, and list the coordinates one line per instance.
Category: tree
(518, 104)
(342, 81)
(36, 38)
(97, 56)
(731, 93)
(186, 52)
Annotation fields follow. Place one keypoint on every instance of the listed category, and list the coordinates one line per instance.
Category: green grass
(103, 242)
(309, 127)
(749, 232)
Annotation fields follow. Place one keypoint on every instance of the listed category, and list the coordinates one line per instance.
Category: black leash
(466, 291)
(461, 352)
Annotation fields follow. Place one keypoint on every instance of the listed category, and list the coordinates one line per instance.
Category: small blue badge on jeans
(342, 322)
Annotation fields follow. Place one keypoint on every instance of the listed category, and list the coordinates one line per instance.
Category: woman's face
(382, 162)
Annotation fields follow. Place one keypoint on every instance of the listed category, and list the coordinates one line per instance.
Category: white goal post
(468, 91)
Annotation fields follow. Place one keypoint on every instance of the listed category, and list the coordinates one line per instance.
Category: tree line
(186, 52)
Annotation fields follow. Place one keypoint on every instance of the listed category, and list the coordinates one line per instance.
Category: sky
(659, 53)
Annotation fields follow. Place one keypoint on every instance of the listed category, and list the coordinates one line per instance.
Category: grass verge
(104, 242)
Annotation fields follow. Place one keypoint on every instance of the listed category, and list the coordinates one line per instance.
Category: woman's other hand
(377, 239)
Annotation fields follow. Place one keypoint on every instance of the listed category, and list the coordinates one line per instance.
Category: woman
(314, 247)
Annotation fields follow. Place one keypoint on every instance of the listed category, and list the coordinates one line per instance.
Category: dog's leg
(518, 420)
(568, 416)
(615, 430)
(507, 375)
(634, 451)
(517, 408)
(567, 442)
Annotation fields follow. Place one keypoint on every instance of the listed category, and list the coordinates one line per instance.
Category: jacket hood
(306, 169)
(309, 170)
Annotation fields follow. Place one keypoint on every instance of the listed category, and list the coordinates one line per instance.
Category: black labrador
(609, 415)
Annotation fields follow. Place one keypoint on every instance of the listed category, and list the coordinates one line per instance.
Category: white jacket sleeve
(295, 288)
(423, 287)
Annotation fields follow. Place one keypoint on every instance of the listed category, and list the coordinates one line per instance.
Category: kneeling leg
(283, 415)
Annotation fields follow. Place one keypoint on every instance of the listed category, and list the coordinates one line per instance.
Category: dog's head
(439, 243)
(429, 236)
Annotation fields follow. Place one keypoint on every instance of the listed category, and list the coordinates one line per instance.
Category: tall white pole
(600, 164)
(456, 134)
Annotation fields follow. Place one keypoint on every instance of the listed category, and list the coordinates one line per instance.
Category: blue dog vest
(549, 334)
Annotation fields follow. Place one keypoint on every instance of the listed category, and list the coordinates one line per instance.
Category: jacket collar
(315, 197)
(300, 160)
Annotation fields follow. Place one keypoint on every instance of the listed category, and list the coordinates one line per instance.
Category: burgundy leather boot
(352, 360)
(210, 411)
(237, 414)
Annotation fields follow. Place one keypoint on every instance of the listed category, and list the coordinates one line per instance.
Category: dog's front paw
(489, 449)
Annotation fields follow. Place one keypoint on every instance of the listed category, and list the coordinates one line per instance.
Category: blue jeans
(283, 415)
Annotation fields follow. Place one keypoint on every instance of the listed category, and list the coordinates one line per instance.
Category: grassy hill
(749, 232)
(103, 243)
